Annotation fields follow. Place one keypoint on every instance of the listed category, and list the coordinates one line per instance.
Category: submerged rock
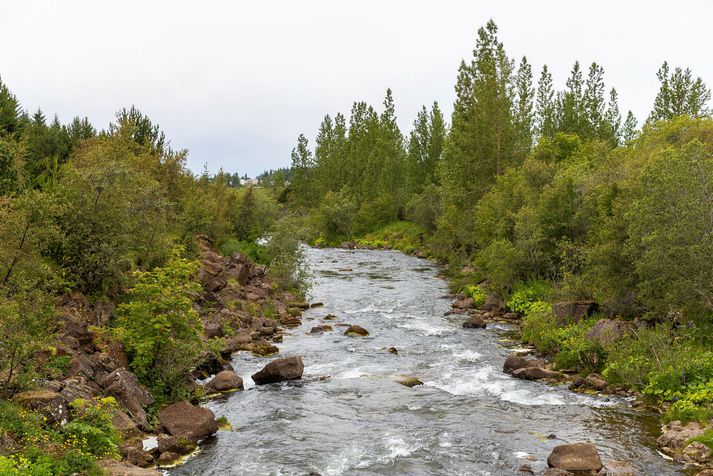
(409, 380)
(515, 362)
(316, 331)
(289, 368)
(356, 330)
(675, 436)
(474, 322)
(392, 350)
(575, 457)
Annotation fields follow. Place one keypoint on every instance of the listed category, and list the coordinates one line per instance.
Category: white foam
(351, 373)
(397, 447)
(521, 454)
(426, 328)
(468, 355)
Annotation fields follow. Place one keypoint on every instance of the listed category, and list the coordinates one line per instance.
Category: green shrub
(255, 252)
(160, 329)
(477, 293)
(91, 430)
(526, 294)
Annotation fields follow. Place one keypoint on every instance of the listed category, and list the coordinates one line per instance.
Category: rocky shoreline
(238, 304)
(674, 441)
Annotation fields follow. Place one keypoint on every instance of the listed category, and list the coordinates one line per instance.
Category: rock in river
(356, 330)
(474, 322)
(409, 380)
(535, 373)
(575, 457)
(514, 362)
(225, 380)
(181, 418)
(289, 368)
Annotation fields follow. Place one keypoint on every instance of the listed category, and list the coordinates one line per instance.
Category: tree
(612, 130)
(593, 103)
(629, 131)
(288, 265)
(302, 173)
(545, 108)
(570, 111)
(679, 94)
(524, 107)
(158, 326)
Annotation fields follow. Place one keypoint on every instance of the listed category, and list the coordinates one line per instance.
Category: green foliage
(91, 430)
(501, 262)
(159, 327)
(287, 263)
(401, 235)
(478, 294)
(335, 216)
(27, 326)
(252, 250)
(526, 294)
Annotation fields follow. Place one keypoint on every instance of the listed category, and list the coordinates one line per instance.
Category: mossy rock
(409, 381)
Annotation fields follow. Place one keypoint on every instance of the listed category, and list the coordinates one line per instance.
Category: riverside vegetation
(534, 196)
(113, 296)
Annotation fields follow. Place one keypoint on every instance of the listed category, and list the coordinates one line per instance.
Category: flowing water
(467, 419)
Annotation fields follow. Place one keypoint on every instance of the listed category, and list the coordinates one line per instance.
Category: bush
(255, 252)
(500, 263)
(287, 262)
(477, 293)
(91, 430)
(335, 216)
(526, 294)
(160, 329)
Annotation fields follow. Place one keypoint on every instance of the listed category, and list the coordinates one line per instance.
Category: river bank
(349, 414)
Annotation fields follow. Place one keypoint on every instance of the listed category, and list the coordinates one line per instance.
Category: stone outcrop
(606, 331)
(112, 467)
(514, 362)
(536, 373)
(474, 322)
(355, 330)
(129, 393)
(47, 403)
(675, 437)
(570, 312)
(289, 368)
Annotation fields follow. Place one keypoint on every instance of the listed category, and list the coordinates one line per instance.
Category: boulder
(325, 327)
(125, 425)
(492, 303)
(77, 387)
(569, 312)
(225, 380)
(392, 350)
(474, 322)
(697, 453)
(619, 468)
(138, 457)
(464, 303)
(356, 330)
(289, 368)
(290, 321)
(514, 362)
(51, 405)
(329, 317)
(263, 348)
(535, 373)
(168, 457)
(182, 418)
(511, 316)
(112, 467)
(575, 457)
(348, 245)
(181, 445)
(316, 304)
(129, 393)
(606, 331)
(316, 331)
(675, 436)
(596, 382)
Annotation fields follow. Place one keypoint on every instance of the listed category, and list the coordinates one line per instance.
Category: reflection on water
(349, 416)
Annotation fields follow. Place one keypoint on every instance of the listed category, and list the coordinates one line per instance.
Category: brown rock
(619, 468)
(535, 373)
(474, 322)
(493, 303)
(168, 457)
(409, 381)
(289, 368)
(316, 304)
(138, 457)
(225, 380)
(464, 303)
(514, 362)
(49, 404)
(596, 382)
(606, 331)
(182, 418)
(675, 436)
(117, 468)
(263, 348)
(392, 350)
(329, 317)
(526, 469)
(556, 472)
(575, 457)
(181, 445)
(511, 316)
(129, 393)
(348, 245)
(290, 321)
(77, 387)
(125, 425)
(573, 311)
(697, 452)
(355, 330)
(317, 331)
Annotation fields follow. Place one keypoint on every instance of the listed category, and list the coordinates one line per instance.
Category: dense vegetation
(535, 195)
(111, 215)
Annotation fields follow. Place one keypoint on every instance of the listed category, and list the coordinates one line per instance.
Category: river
(467, 419)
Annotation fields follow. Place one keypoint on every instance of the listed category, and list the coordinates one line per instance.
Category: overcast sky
(236, 82)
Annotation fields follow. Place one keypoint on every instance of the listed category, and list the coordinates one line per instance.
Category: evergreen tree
(302, 169)
(612, 119)
(629, 131)
(593, 104)
(524, 106)
(570, 111)
(425, 148)
(545, 108)
(679, 94)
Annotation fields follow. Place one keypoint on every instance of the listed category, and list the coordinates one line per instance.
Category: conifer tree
(570, 111)
(612, 119)
(593, 104)
(302, 165)
(629, 131)
(679, 94)
(545, 107)
(524, 106)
